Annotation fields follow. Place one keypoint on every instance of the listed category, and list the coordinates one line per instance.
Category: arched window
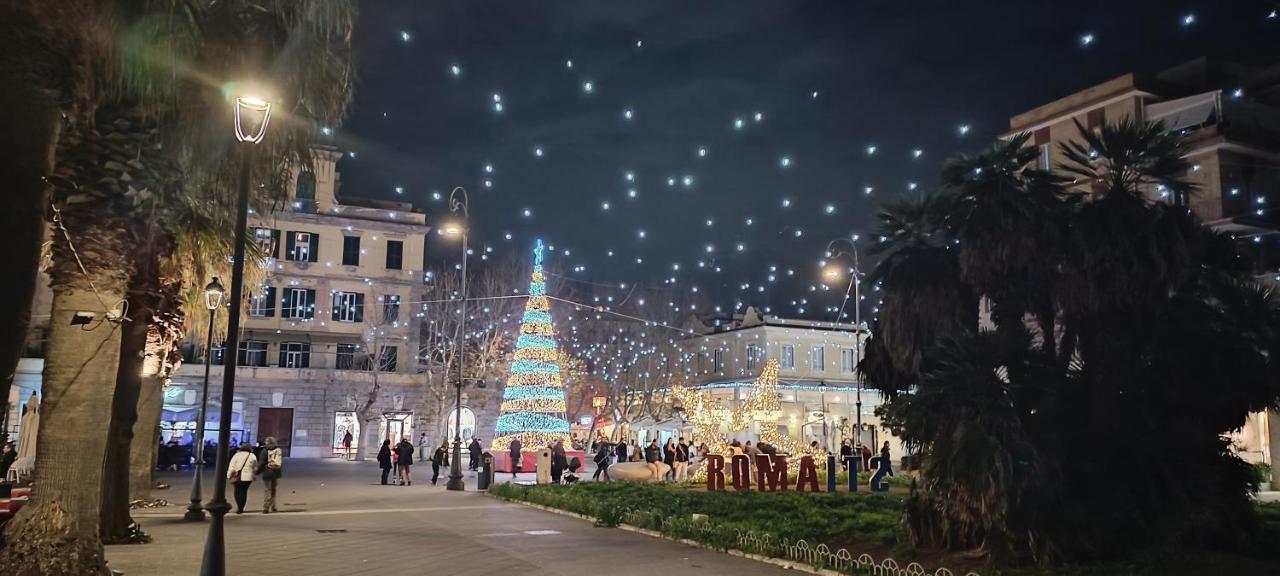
(306, 186)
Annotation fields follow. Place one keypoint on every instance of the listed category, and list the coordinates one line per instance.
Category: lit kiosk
(533, 403)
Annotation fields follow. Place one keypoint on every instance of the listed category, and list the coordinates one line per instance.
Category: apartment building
(817, 373)
(339, 308)
(1229, 114)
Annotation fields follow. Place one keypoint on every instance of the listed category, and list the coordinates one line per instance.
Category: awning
(1183, 113)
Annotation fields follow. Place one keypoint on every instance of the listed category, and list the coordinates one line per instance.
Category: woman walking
(270, 467)
(384, 460)
(240, 473)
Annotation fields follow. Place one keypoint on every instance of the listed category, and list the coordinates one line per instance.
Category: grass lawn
(861, 523)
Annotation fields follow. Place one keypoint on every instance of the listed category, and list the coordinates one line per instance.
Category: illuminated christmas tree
(533, 404)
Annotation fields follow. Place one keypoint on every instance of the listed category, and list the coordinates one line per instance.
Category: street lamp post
(212, 299)
(854, 282)
(458, 204)
(251, 118)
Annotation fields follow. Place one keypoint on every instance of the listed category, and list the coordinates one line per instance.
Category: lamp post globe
(212, 300)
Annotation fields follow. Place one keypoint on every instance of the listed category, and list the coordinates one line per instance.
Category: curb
(784, 564)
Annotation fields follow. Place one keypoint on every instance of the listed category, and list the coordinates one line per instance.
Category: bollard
(486, 472)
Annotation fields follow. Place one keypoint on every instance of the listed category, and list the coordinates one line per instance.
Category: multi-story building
(818, 380)
(337, 311)
(1229, 115)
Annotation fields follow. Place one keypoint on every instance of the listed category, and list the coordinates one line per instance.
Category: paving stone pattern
(336, 520)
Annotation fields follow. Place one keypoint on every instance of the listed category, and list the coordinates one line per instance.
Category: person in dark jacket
(7, 458)
(440, 458)
(621, 450)
(404, 459)
(515, 457)
(652, 456)
(846, 452)
(384, 460)
(474, 449)
(559, 461)
(603, 452)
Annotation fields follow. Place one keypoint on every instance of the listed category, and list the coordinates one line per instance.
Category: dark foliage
(1083, 417)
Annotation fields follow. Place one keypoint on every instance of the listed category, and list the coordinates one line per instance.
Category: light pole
(252, 114)
(832, 272)
(212, 299)
(458, 204)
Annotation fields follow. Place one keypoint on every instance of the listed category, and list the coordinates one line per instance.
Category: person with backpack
(384, 460)
(240, 473)
(682, 460)
(270, 467)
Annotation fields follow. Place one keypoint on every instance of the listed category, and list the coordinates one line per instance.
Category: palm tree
(171, 52)
(1112, 316)
(49, 53)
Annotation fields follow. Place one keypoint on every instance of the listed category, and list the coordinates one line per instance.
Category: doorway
(277, 422)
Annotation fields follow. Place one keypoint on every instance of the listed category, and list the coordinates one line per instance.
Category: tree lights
(533, 403)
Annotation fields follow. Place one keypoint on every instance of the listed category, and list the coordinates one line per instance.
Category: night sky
(747, 126)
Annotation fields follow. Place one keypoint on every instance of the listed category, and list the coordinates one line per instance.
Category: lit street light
(252, 115)
(212, 300)
(832, 273)
(458, 204)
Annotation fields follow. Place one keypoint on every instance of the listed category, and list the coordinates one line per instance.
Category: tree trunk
(146, 438)
(115, 518)
(57, 532)
(28, 138)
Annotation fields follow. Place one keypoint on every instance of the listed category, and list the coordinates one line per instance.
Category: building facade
(1229, 114)
(337, 313)
(821, 390)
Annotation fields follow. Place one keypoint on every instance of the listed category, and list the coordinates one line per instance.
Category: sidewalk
(336, 520)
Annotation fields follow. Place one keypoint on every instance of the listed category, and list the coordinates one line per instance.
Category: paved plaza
(336, 520)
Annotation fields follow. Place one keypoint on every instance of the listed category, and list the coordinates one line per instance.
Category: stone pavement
(336, 520)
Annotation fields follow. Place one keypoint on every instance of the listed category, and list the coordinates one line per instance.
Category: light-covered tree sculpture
(533, 403)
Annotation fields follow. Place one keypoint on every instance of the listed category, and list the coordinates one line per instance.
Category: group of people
(676, 454)
(267, 462)
(864, 454)
(400, 459)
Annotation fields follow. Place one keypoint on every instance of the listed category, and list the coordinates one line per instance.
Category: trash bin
(486, 472)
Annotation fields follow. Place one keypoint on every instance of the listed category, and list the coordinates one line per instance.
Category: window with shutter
(395, 254)
(390, 308)
(350, 250)
(313, 254)
(346, 357)
(345, 305)
(387, 358)
(788, 359)
(359, 307)
(271, 301)
(819, 359)
(310, 311)
(295, 354)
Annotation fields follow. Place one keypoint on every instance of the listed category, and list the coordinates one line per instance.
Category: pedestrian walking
(404, 452)
(474, 450)
(438, 459)
(240, 473)
(270, 466)
(603, 452)
(682, 460)
(652, 456)
(669, 458)
(515, 457)
(384, 460)
(346, 443)
(886, 461)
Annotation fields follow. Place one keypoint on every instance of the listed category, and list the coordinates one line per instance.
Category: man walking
(270, 467)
